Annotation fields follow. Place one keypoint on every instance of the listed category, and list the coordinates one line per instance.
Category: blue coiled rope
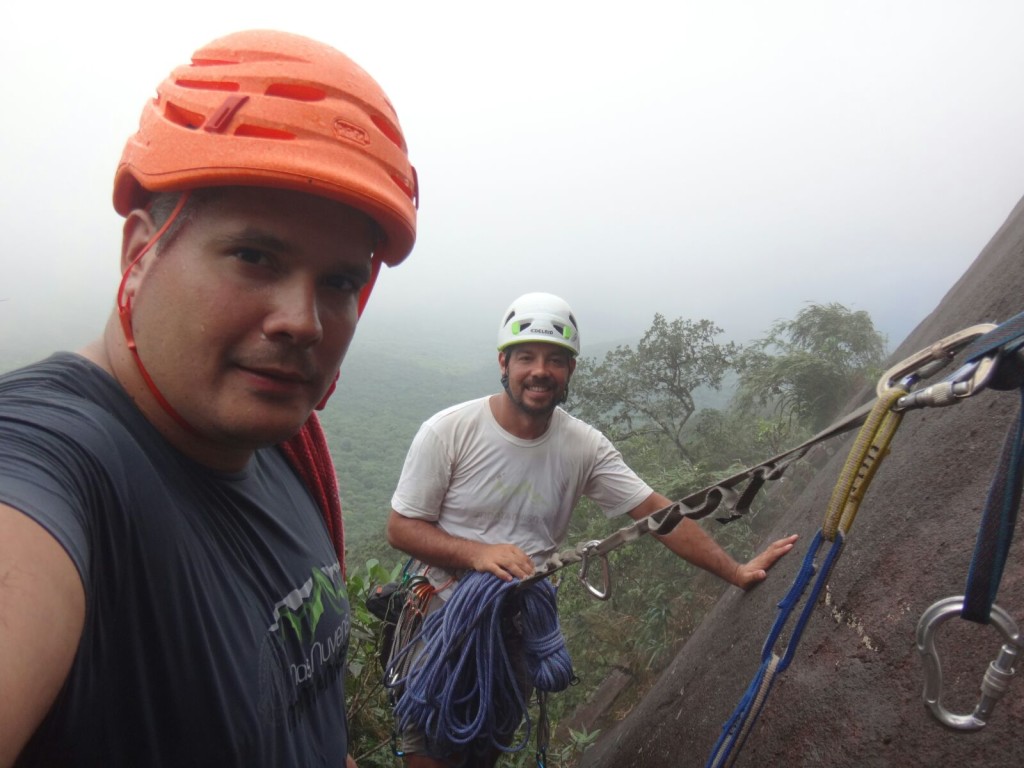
(462, 685)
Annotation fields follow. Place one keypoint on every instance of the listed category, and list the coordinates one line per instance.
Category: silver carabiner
(967, 381)
(997, 676)
(930, 360)
(587, 551)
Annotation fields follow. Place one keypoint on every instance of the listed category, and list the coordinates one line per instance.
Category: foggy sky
(722, 160)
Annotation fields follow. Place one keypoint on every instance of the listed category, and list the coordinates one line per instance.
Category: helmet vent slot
(405, 186)
(389, 130)
(262, 132)
(183, 117)
(208, 85)
(211, 62)
(296, 92)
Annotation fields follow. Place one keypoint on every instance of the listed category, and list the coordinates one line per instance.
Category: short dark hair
(162, 204)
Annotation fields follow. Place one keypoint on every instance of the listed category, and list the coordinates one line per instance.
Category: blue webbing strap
(1008, 336)
(995, 533)
(736, 728)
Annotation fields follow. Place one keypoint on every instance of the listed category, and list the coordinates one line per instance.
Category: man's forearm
(426, 542)
(429, 543)
(690, 542)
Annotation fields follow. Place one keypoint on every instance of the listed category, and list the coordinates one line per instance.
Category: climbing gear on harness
(388, 601)
(455, 678)
(997, 677)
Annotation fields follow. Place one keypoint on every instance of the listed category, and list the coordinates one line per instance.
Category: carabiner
(930, 360)
(587, 551)
(966, 381)
(997, 676)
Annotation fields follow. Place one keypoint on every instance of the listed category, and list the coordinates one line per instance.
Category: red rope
(309, 456)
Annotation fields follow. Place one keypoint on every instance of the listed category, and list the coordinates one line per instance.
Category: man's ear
(572, 366)
(138, 230)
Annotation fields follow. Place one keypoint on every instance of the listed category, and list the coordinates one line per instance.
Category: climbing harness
(456, 679)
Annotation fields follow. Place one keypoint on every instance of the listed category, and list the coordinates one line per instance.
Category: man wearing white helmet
(489, 485)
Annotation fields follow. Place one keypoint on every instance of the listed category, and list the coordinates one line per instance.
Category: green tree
(649, 391)
(809, 367)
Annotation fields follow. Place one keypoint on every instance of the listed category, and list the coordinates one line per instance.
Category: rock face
(852, 695)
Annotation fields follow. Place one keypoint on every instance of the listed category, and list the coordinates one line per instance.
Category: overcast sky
(715, 159)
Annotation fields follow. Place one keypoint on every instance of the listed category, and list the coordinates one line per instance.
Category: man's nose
(294, 314)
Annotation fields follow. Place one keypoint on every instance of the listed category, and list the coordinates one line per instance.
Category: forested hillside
(384, 393)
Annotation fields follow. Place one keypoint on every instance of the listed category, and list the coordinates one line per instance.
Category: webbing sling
(870, 447)
(729, 494)
(995, 533)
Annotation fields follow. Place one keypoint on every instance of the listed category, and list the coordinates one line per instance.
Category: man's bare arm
(426, 542)
(42, 611)
(693, 544)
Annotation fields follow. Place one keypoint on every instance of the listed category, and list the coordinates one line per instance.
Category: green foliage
(809, 367)
(383, 395)
(369, 711)
(650, 390)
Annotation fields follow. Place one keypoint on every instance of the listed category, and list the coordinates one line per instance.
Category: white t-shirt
(480, 483)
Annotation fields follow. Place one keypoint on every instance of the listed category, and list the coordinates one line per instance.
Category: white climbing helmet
(539, 317)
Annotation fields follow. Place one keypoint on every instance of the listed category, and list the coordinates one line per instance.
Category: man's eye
(344, 283)
(250, 255)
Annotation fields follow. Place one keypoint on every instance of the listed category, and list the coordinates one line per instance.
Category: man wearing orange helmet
(490, 485)
(171, 554)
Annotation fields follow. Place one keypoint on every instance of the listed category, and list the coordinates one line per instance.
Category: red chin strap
(364, 297)
(124, 311)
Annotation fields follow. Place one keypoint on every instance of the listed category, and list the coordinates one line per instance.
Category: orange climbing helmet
(267, 108)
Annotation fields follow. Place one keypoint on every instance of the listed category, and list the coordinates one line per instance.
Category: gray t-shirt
(216, 620)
